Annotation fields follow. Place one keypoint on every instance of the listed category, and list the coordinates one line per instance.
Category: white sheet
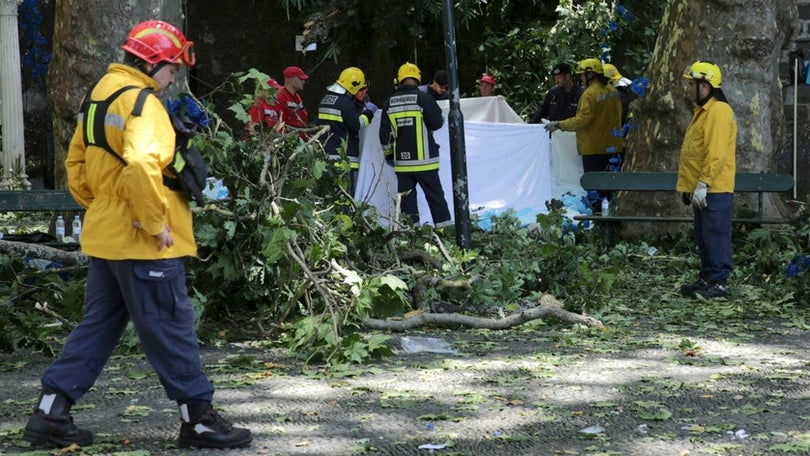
(509, 165)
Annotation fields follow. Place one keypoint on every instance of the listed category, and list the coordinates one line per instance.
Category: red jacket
(287, 107)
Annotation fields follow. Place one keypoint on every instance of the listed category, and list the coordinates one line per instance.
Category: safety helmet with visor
(704, 71)
(352, 79)
(157, 41)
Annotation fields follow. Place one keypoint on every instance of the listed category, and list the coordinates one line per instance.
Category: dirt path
(538, 390)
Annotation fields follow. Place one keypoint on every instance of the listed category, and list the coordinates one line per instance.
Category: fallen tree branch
(549, 308)
(25, 249)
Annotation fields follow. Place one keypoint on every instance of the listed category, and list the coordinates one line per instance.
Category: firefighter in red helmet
(137, 233)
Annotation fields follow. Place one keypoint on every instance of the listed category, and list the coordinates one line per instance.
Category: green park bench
(759, 183)
(55, 201)
(38, 201)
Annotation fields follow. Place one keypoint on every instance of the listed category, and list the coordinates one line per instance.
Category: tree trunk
(745, 39)
(87, 37)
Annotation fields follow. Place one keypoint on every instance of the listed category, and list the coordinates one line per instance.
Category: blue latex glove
(552, 126)
(371, 106)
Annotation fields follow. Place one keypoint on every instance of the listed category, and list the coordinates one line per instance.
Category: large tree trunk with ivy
(745, 38)
(87, 37)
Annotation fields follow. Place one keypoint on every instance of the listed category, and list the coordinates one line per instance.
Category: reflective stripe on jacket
(409, 118)
(599, 112)
(345, 119)
(116, 195)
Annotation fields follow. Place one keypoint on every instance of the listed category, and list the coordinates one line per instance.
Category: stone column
(13, 153)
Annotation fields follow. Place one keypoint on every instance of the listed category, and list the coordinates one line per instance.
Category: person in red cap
(486, 85)
(264, 112)
(288, 108)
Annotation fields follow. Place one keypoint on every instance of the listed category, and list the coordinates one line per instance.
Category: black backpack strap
(139, 102)
(95, 113)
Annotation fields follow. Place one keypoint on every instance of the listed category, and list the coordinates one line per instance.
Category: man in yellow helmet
(622, 85)
(409, 118)
(599, 114)
(137, 233)
(706, 173)
(346, 108)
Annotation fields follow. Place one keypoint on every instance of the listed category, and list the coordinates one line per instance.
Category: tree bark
(87, 36)
(548, 308)
(745, 39)
(25, 249)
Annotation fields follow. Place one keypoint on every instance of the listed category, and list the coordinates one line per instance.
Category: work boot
(51, 424)
(690, 288)
(713, 290)
(202, 427)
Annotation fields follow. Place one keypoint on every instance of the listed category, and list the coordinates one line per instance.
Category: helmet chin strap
(158, 66)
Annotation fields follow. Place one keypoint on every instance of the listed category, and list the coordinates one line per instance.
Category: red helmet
(158, 41)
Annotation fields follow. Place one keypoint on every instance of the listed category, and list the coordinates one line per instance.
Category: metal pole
(458, 155)
(795, 123)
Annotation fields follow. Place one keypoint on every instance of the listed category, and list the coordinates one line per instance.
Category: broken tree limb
(549, 308)
(25, 249)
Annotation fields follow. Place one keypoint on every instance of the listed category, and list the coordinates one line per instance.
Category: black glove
(368, 113)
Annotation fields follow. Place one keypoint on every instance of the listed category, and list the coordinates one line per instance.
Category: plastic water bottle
(76, 228)
(605, 206)
(60, 229)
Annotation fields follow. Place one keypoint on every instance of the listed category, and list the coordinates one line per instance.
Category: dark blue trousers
(713, 237)
(432, 186)
(152, 294)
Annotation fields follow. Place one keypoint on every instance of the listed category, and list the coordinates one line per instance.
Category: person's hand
(552, 126)
(699, 195)
(369, 114)
(165, 238)
(371, 107)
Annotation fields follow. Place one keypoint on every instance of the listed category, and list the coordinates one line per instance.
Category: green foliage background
(291, 259)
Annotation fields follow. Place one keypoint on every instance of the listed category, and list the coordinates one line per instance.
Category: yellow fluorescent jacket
(116, 195)
(709, 148)
(599, 111)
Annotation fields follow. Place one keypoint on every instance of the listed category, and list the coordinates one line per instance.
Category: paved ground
(538, 390)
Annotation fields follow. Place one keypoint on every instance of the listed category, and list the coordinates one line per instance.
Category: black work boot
(690, 288)
(51, 424)
(202, 427)
(713, 290)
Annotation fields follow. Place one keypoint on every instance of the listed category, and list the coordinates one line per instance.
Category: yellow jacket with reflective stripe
(599, 112)
(709, 149)
(116, 195)
(407, 122)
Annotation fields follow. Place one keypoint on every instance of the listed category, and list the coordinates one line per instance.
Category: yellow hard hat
(611, 72)
(409, 70)
(593, 65)
(704, 71)
(352, 79)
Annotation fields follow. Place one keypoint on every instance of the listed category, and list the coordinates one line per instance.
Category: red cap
(274, 84)
(295, 72)
(487, 79)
